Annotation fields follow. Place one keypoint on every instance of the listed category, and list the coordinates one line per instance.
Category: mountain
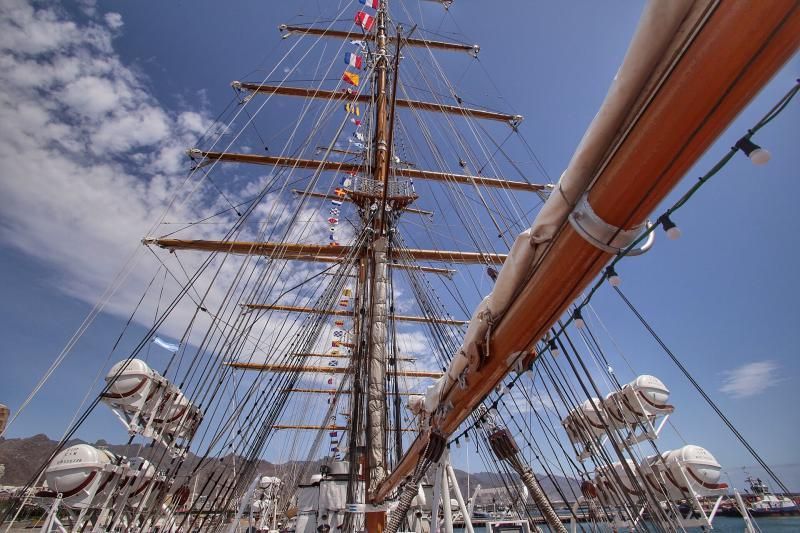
(22, 458)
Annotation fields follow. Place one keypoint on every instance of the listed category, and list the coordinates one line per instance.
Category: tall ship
(396, 288)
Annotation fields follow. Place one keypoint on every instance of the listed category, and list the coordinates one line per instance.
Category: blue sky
(723, 297)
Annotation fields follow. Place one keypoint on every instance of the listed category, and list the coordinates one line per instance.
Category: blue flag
(166, 345)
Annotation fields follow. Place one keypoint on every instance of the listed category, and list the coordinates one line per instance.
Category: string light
(758, 155)
(672, 229)
(613, 277)
(458, 443)
(577, 317)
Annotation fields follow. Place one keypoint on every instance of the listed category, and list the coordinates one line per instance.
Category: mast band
(604, 236)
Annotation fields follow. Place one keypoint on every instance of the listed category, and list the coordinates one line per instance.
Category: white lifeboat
(641, 400)
(177, 416)
(131, 383)
(585, 422)
(143, 473)
(687, 470)
(615, 485)
(79, 473)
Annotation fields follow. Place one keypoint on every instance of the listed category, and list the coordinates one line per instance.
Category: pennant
(347, 182)
(334, 441)
(336, 344)
(333, 244)
(332, 237)
(346, 292)
(332, 229)
(352, 109)
(341, 193)
(339, 323)
(333, 363)
(356, 144)
(344, 302)
(334, 211)
(351, 173)
(336, 202)
(355, 121)
(351, 78)
(166, 345)
(353, 60)
(333, 434)
(365, 20)
(359, 42)
(330, 381)
(338, 333)
(333, 220)
(371, 3)
(358, 135)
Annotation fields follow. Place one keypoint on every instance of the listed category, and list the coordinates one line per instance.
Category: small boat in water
(769, 504)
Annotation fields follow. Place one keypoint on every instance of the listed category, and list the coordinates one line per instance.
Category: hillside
(22, 457)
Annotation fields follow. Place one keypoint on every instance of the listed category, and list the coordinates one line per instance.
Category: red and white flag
(365, 20)
(374, 4)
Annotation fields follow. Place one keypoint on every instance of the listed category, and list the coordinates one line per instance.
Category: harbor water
(722, 524)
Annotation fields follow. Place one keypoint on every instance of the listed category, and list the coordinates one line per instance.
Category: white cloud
(750, 379)
(114, 20)
(88, 157)
(89, 160)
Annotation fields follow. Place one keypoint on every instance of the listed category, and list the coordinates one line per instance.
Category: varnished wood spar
(337, 34)
(326, 428)
(310, 92)
(346, 199)
(334, 391)
(739, 49)
(340, 166)
(324, 369)
(340, 356)
(337, 312)
(319, 253)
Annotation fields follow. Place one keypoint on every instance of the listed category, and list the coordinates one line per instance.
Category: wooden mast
(377, 316)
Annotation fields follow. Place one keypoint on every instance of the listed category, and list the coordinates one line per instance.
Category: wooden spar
(340, 166)
(337, 312)
(326, 428)
(334, 197)
(291, 426)
(319, 253)
(334, 391)
(310, 92)
(337, 34)
(740, 47)
(341, 356)
(323, 369)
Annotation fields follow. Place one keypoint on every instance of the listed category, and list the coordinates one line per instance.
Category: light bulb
(758, 155)
(466, 437)
(578, 318)
(458, 444)
(553, 347)
(613, 277)
(672, 230)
